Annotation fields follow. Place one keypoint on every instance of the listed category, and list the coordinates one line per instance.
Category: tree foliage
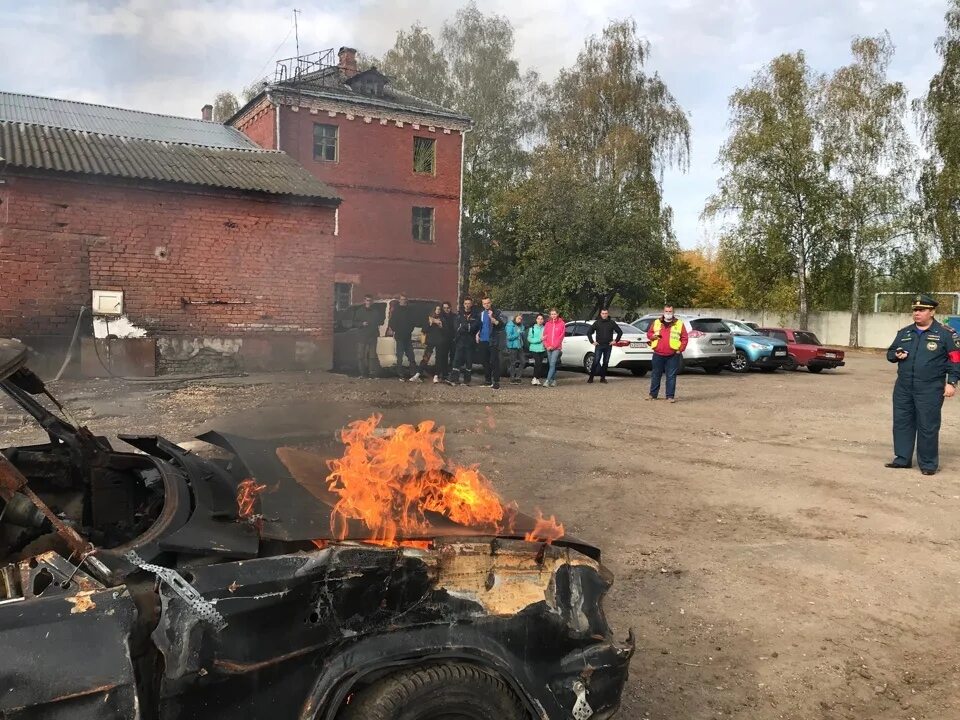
(416, 65)
(775, 195)
(225, 106)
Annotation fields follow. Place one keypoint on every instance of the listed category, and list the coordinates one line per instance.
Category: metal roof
(72, 115)
(53, 148)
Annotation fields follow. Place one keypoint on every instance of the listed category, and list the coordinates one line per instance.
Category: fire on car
(380, 583)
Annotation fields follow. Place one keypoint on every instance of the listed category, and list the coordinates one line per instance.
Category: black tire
(713, 369)
(790, 363)
(639, 372)
(451, 690)
(588, 362)
(740, 364)
(815, 368)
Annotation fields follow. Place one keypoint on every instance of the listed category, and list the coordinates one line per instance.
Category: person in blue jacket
(516, 334)
(927, 354)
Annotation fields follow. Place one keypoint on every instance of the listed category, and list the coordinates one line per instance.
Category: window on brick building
(342, 295)
(325, 142)
(423, 224)
(424, 155)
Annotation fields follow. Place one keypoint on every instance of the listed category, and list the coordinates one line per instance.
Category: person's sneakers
(897, 466)
(927, 471)
(649, 397)
(449, 382)
(603, 380)
(402, 379)
(590, 379)
(534, 382)
(436, 379)
(671, 400)
(495, 386)
(416, 378)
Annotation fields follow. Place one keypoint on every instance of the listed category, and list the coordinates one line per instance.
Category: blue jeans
(601, 358)
(670, 366)
(553, 356)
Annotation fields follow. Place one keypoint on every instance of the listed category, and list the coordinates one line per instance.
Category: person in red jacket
(553, 333)
(668, 340)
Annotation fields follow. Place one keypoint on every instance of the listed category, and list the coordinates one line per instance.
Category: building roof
(64, 136)
(72, 115)
(330, 83)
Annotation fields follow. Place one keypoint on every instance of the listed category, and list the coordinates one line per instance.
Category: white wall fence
(877, 330)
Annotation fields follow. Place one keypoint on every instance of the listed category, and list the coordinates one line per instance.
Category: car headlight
(756, 346)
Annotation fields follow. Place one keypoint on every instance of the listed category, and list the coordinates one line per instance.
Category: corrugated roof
(72, 115)
(66, 150)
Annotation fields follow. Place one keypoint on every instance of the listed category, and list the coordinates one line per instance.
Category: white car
(634, 354)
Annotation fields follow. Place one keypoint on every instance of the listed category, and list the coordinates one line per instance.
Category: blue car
(754, 349)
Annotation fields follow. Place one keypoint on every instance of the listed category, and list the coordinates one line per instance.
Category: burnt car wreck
(166, 583)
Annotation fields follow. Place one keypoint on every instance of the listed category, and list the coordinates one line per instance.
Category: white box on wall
(107, 302)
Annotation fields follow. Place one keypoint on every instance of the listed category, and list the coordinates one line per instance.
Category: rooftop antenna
(296, 30)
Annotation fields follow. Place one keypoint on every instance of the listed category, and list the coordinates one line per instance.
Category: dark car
(805, 350)
(165, 583)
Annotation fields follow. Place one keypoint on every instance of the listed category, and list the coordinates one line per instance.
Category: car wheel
(790, 363)
(450, 690)
(639, 372)
(740, 364)
(815, 368)
(588, 362)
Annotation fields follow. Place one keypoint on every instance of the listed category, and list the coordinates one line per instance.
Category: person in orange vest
(668, 340)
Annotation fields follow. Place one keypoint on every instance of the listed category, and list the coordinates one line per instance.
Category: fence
(877, 330)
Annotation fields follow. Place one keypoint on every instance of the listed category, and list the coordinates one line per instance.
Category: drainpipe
(463, 149)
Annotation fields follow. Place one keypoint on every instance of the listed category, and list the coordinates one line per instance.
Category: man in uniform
(927, 354)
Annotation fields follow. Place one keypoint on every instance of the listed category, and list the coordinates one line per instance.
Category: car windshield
(709, 325)
(739, 328)
(806, 338)
(628, 329)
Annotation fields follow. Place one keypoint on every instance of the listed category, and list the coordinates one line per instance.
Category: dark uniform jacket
(467, 326)
(433, 332)
(934, 355)
(402, 321)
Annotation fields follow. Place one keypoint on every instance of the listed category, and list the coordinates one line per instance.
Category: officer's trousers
(916, 421)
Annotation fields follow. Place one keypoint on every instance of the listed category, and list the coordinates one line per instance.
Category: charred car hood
(293, 513)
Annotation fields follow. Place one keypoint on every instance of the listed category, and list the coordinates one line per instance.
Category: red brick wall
(260, 125)
(60, 239)
(374, 176)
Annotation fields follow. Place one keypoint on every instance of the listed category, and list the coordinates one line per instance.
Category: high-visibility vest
(676, 329)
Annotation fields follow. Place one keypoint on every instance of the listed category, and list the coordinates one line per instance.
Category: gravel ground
(768, 562)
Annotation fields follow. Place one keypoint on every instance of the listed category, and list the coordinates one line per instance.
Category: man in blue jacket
(927, 354)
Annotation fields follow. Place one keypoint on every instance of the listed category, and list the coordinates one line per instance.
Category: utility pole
(296, 30)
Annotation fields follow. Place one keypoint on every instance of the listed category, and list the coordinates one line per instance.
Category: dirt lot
(769, 563)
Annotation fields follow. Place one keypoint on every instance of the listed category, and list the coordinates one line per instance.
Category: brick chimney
(348, 61)
(206, 112)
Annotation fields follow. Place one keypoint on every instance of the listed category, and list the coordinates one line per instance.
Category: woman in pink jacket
(553, 333)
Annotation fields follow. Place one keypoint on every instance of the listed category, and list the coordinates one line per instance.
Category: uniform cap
(924, 301)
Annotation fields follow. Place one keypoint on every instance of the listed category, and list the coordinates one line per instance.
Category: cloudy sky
(172, 56)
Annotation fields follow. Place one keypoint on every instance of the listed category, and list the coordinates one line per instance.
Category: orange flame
(389, 480)
(247, 492)
(546, 530)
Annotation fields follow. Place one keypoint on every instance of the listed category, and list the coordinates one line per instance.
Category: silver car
(710, 343)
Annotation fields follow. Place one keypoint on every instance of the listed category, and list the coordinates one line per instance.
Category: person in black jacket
(367, 319)
(465, 340)
(603, 333)
(449, 319)
(402, 323)
(433, 330)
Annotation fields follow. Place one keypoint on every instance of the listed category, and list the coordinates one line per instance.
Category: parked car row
(714, 344)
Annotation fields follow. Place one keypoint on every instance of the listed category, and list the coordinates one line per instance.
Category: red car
(805, 350)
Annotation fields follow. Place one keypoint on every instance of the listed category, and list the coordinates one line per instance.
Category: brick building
(396, 161)
(181, 233)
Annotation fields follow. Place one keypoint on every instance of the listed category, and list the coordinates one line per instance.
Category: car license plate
(780, 352)
(636, 344)
(829, 355)
(719, 342)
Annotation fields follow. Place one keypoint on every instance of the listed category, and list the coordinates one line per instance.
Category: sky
(173, 56)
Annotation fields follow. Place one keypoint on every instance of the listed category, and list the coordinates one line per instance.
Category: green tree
(775, 194)
(225, 106)
(588, 224)
(939, 115)
(415, 65)
(872, 160)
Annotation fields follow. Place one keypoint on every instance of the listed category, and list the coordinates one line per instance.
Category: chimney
(348, 61)
(207, 112)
